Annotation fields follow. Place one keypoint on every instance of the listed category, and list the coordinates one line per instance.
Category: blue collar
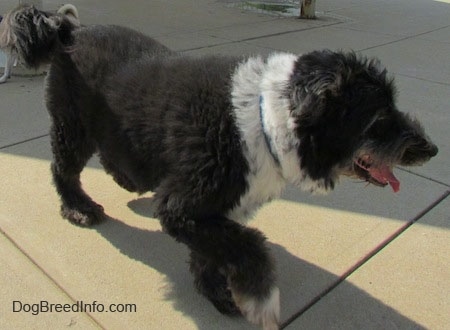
(266, 136)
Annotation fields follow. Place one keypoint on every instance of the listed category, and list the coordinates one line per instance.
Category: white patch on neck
(252, 79)
(276, 109)
(266, 179)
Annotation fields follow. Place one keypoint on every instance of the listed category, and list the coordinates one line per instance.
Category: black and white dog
(214, 137)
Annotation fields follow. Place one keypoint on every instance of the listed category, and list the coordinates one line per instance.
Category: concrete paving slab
(231, 48)
(128, 259)
(399, 18)
(324, 37)
(190, 40)
(26, 294)
(332, 6)
(416, 57)
(428, 102)
(22, 112)
(410, 277)
(272, 27)
(440, 35)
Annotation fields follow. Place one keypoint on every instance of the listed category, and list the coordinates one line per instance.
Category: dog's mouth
(378, 174)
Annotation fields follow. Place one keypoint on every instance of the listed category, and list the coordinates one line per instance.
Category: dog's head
(347, 121)
(31, 33)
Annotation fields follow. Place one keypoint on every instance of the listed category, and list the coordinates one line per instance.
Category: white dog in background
(8, 40)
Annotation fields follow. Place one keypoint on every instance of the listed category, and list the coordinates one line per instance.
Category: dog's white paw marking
(265, 312)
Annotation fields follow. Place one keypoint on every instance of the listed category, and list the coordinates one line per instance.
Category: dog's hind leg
(71, 152)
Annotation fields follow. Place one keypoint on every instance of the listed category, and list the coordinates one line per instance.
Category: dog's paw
(85, 216)
(263, 311)
(211, 283)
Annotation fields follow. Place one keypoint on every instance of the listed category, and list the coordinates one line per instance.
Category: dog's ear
(317, 114)
(325, 141)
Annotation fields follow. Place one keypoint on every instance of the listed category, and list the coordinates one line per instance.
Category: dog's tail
(37, 34)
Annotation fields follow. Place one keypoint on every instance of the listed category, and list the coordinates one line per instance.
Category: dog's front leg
(10, 59)
(231, 263)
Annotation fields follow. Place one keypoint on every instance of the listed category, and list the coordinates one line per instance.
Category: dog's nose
(427, 147)
(433, 150)
(420, 151)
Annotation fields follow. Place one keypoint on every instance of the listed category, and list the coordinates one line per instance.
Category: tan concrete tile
(317, 239)
(24, 288)
(129, 260)
(126, 260)
(404, 286)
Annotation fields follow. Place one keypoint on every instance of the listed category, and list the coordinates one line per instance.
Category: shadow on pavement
(160, 252)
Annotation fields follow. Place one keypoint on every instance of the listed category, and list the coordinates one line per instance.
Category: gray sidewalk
(359, 258)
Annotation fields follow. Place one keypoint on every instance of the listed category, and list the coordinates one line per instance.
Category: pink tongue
(384, 174)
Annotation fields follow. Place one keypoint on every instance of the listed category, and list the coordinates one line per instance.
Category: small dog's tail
(39, 34)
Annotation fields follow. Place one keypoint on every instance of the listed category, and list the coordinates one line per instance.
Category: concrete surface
(409, 276)
(359, 258)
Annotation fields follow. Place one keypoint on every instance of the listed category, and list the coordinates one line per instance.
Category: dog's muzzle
(418, 152)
